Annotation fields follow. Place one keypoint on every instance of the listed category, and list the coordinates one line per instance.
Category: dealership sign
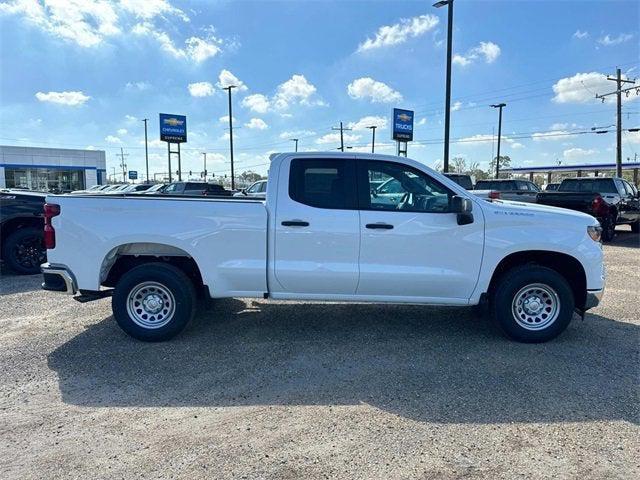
(173, 128)
(402, 125)
(133, 174)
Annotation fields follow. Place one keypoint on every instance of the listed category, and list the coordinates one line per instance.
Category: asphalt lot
(295, 390)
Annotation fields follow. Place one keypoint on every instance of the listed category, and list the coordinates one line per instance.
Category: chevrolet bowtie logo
(404, 117)
(174, 122)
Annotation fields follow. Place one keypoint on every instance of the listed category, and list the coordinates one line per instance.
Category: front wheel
(154, 302)
(608, 228)
(533, 304)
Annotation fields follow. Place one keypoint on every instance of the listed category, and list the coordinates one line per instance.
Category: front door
(317, 236)
(414, 248)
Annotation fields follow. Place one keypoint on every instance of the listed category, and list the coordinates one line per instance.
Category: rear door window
(323, 183)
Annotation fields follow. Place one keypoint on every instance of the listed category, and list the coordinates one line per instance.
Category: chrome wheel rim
(151, 305)
(535, 306)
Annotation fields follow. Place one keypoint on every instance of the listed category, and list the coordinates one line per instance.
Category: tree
(249, 176)
(458, 165)
(505, 162)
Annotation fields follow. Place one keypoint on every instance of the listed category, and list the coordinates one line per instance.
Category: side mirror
(462, 207)
(374, 193)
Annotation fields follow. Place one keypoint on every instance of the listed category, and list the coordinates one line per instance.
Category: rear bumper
(58, 279)
(593, 298)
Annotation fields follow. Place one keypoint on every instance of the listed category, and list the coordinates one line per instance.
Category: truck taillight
(50, 210)
(598, 206)
(494, 194)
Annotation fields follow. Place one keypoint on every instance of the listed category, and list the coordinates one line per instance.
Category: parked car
(114, 187)
(21, 230)
(613, 201)
(323, 234)
(93, 189)
(519, 190)
(196, 188)
(551, 187)
(461, 179)
(256, 190)
(135, 188)
(155, 189)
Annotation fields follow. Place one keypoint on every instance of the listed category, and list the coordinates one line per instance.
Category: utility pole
(295, 140)
(373, 138)
(123, 165)
(146, 147)
(447, 111)
(342, 129)
(204, 174)
(500, 106)
(228, 89)
(618, 93)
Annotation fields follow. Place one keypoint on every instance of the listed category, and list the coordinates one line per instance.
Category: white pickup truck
(326, 233)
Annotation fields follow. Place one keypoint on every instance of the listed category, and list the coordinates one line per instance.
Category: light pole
(373, 138)
(233, 182)
(499, 106)
(447, 110)
(146, 148)
(295, 140)
(204, 174)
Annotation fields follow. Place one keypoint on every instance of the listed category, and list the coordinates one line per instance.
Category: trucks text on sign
(173, 128)
(402, 125)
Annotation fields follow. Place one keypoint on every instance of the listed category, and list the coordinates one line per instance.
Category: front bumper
(58, 279)
(593, 298)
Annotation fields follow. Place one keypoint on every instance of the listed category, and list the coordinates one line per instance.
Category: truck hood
(522, 209)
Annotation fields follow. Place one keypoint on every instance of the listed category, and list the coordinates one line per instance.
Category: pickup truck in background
(518, 190)
(326, 233)
(613, 201)
(462, 179)
(21, 236)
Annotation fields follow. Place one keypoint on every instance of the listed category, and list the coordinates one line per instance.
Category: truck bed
(580, 201)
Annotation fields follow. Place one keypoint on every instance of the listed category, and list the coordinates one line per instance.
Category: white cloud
(122, 131)
(456, 106)
(196, 49)
(516, 145)
(608, 40)
(632, 137)
(256, 124)
(422, 121)
(130, 118)
(335, 138)
(227, 78)
(295, 90)
(257, 102)
(488, 51)
(112, 139)
(583, 87)
(225, 119)
(550, 135)
(580, 34)
(70, 98)
(365, 122)
(200, 89)
(398, 33)
(148, 9)
(297, 134)
(374, 91)
(578, 153)
(478, 139)
(140, 86)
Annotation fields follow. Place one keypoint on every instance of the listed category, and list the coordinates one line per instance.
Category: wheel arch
(124, 257)
(566, 265)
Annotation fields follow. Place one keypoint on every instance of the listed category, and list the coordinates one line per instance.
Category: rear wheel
(154, 302)
(24, 251)
(608, 228)
(532, 304)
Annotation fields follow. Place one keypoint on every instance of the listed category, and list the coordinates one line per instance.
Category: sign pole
(179, 165)
(169, 150)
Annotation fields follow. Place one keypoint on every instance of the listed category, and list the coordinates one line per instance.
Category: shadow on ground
(625, 238)
(424, 363)
(13, 283)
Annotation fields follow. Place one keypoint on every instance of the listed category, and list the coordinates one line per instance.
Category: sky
(83, 74)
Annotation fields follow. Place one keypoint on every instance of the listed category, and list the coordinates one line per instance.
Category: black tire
(23, 250)
(608, 228)
(553, 288)
(635, 226)
(163, 284)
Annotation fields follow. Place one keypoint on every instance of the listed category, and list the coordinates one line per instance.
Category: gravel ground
(256, 389)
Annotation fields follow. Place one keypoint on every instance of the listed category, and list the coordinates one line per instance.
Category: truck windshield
(591, 185)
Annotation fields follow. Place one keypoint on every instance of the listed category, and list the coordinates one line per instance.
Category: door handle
(381, 226)
(295, 223)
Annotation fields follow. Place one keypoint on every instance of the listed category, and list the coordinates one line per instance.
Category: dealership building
(51, 169)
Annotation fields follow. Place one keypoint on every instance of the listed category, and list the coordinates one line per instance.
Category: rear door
(415, 249)
(317, 236)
